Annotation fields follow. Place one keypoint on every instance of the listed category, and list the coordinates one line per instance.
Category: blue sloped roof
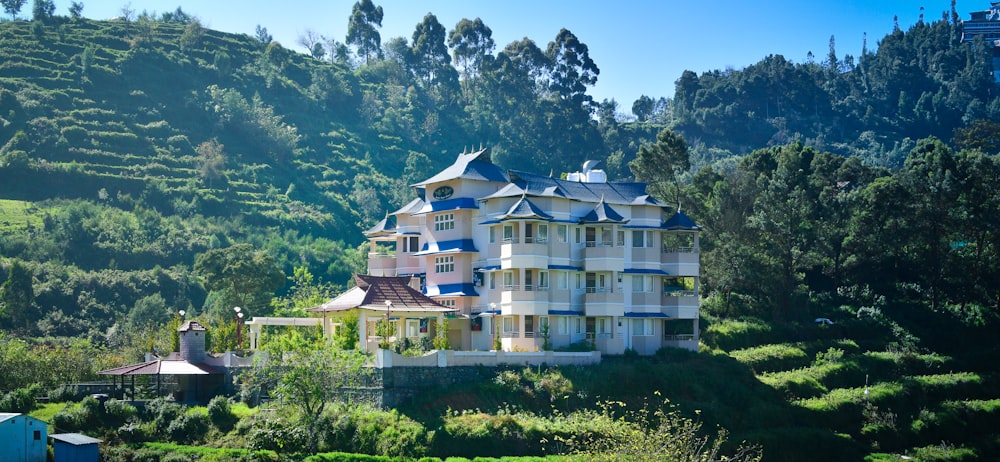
(457, 203)
(411, 207)
(621, 193)
(646, 315)
(565, 313)
(523, 209)
(383, 228)
(452, 290)
(455, 246)
(680, 220)
(645, 271)
(470, 166)
(565, 267)
(603, 213)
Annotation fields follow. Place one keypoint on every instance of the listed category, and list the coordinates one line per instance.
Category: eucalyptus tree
(572, 68)
(472, 45)
(362, 30)
(12, 7)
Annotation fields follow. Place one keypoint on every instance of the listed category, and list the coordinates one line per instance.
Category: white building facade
(533, 263)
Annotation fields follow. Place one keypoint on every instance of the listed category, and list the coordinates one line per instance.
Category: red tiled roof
(373, 291)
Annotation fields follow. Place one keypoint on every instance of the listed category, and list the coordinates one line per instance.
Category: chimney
(192, 342)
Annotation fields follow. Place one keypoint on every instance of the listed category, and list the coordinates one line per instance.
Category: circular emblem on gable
(443, 192)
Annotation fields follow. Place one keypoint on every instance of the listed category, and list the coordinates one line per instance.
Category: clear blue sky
(641, 47)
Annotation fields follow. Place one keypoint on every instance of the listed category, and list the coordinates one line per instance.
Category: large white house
(541, 262)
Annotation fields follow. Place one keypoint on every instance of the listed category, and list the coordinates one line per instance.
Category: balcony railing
(510, 240)
(601, 244)
(511, 287)
(597, 290)
(680, 250)
(513, 334)
(535, 240)
(678, 337)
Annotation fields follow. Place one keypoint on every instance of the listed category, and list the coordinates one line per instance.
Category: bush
(21, 400)
(188, 427)
(119, 412)
(221, 414)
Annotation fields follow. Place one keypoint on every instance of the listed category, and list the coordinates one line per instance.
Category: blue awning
(647, 315)
(645, 271)
(565, 313)
(489, 268)
(565, 268)
(455, 246)
(452, 290)
(450, 204)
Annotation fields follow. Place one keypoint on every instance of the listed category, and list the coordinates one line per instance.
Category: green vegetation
(149, 165)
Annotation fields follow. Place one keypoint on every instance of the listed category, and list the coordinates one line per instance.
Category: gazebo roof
(163, 367)
(372, 292)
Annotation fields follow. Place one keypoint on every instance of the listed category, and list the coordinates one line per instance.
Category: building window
(448, 303)
(561, 233)
(642, 327)
(493, 281)
(493, 234)
(621, 238)
(603, 326)
(578, 235)
(638, 238)
(543, 234)
(563, 277)
(411, 244)
(444, 222)
(543, 280)
(508, 234)
(508, 325)
(508, 281)
(37, 435)
(637, 283)
(412, 327)
(562, 325)
(444, 264)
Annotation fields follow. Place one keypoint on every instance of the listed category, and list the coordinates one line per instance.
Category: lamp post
(181, 313)
(388, 326)
(239, 329)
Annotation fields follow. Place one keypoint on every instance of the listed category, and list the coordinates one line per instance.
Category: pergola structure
(159, 368)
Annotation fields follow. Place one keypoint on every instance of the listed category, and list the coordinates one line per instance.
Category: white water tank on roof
(596, 176)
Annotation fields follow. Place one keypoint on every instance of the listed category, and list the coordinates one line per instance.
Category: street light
(388, 312)
(182, 313)
(239, 330)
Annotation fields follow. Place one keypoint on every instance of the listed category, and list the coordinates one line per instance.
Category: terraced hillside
(91, 105)
(128, 148)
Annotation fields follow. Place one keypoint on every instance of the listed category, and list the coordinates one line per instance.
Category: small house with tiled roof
(393, 299)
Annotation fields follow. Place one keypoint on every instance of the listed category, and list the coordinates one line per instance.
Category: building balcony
(601, 257)
(648, 255)
(602, 302)
(681, 304)
(529, 254)
(380, 264)
(680, 261)
(526, 300)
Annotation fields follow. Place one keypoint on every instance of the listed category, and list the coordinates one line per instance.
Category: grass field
(16, 215)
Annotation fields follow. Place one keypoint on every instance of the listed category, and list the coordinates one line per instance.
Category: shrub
(20, 400)
(221, 414)
(188, 427)
(119, 412)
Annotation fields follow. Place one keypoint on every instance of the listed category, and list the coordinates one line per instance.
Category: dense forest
(141, 157)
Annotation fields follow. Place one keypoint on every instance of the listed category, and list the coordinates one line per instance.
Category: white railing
(679, 337)
(511, 287)
(510, 240)
(596, 290)
(514, 334)
(680, 250)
